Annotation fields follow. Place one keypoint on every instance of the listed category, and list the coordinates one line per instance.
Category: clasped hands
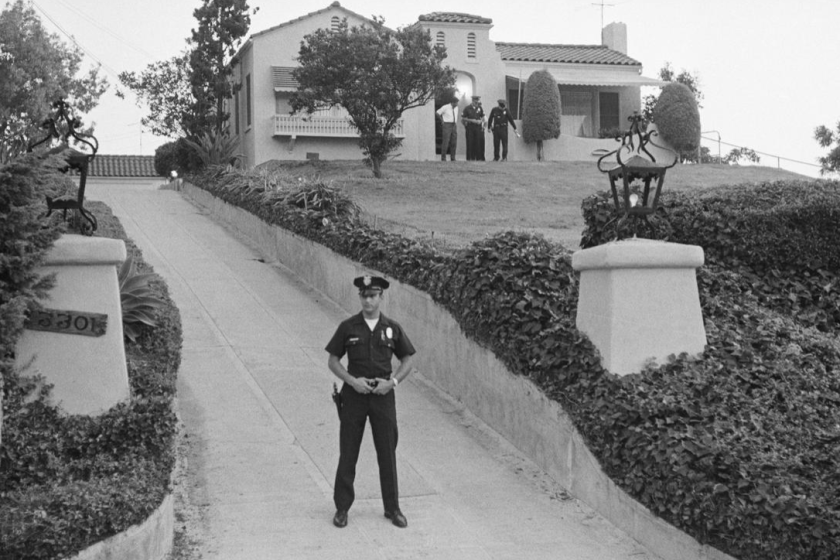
(377, 386)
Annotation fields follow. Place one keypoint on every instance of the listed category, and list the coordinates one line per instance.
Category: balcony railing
(334, 127)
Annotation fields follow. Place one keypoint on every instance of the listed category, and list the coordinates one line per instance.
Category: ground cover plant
(68, 481)
(739, 447)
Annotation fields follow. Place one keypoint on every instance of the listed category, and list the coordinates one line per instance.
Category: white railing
(335, 127)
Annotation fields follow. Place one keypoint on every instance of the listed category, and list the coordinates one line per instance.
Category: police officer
(473, 118)
(370, 340)
(498, 123)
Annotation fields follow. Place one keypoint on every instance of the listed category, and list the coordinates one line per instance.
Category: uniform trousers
(475, 142)
(500, 136)
(382, 411)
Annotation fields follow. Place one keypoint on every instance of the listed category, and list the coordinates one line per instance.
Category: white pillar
(638, 300)
(88, 372)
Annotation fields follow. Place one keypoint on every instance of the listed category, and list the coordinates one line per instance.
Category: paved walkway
(254, 396)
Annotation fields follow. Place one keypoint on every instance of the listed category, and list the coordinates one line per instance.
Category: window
(609, 110)
(236, 112)
(334, 23)
(248, 100)
(576, 113)
(441, 39)
(470, 45)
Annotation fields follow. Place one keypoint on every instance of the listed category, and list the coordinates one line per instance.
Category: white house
(599, 88)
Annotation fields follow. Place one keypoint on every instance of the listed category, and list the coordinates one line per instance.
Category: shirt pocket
(354, 347)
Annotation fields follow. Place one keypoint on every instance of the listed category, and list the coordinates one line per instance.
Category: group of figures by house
(473, 119)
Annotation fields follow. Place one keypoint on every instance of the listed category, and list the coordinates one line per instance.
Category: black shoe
(397, 518)
(340, 519)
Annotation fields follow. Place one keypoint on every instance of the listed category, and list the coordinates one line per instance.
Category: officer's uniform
(474, 131)
(498, 123)
(369, 355)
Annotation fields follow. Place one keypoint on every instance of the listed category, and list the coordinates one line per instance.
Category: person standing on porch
(473, 119)
(498, 122)
(448, 114)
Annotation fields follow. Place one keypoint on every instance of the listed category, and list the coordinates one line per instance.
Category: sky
(767, 68)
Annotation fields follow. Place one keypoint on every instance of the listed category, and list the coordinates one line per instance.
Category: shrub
(216, 148)
(176, 156)
(69, 481)
(778, 237)
(678, 119)
(737, 447)
(541, 109)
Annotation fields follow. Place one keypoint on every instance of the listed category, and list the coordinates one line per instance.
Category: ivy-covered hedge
(738, 448)
(780, 238)
(66, 481)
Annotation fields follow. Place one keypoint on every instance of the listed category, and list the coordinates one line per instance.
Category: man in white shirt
(448, 114)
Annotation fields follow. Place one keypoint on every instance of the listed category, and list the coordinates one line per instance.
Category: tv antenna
(602, 6)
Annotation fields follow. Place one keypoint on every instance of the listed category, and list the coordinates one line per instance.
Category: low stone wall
(510, 404)
(150, 540)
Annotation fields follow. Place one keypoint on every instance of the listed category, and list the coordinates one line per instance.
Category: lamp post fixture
(635, 163)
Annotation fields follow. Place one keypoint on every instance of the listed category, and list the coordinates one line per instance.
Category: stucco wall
(510, 404)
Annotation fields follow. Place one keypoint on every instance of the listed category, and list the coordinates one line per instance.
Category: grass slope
(461, 202)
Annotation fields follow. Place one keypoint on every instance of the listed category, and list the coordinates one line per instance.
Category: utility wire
(762, 153)
(107, 68)
(104, 28)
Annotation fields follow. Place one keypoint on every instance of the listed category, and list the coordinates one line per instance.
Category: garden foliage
(177, 156)
(678, 119)
(738, 447)
(68, 481)
(541, 110)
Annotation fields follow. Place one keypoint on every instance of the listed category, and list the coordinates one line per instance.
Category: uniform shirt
(448, 113)
(500, 117)
(369, 352)
(475, 113)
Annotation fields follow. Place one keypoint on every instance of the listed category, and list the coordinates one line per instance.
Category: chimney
(614, 36)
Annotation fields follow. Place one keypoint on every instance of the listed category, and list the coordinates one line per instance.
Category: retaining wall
(510, 404)
(150, 540)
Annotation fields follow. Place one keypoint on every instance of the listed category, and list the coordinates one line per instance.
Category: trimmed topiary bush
(678, 119)
(541, 110)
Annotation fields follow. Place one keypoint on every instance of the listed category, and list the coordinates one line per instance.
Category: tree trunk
(376, 164)
(539, 150)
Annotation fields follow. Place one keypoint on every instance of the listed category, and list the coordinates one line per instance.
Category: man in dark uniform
(370, 340)
(498, 123)
(473, 118)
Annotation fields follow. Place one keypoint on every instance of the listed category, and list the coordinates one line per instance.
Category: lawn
(460, 202)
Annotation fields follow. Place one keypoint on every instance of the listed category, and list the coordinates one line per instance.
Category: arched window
(334, 23)
(441, 39)
(470, 45)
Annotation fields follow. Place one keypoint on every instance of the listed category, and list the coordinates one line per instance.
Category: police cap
(371, 283)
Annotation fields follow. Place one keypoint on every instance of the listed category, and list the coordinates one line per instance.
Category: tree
(36, 69)
(541, 110)
(830, 163)
(165, 89)
(666, 74)
(221, 26)
(678, 119)
(375, 74)
(735, 155)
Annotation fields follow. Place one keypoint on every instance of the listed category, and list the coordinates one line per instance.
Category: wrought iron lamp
(637, 174)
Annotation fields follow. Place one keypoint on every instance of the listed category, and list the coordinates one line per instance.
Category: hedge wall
(738, 448)
(67, 482)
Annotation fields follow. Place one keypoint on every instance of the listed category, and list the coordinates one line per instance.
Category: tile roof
(122, 166)
(581, 54)
(454, 17)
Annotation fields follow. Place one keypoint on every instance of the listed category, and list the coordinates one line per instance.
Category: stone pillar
(67, 343)
(639, 300)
